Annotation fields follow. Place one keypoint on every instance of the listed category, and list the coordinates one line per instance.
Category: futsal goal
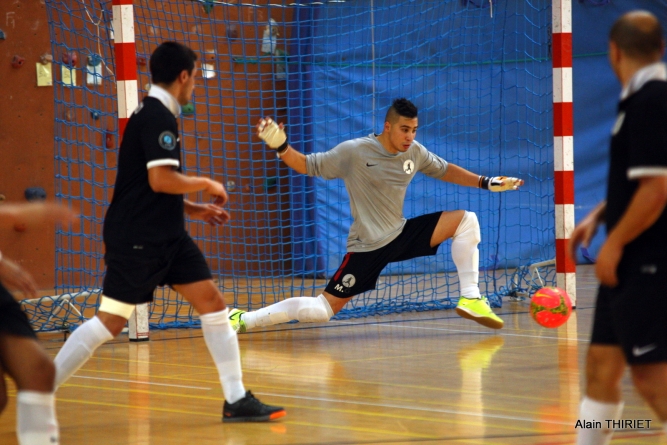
(481, 72)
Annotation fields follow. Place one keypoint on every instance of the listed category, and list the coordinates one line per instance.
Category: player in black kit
(630, 322)
(146, 241)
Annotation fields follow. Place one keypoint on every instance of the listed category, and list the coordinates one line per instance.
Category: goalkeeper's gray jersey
(376, 182)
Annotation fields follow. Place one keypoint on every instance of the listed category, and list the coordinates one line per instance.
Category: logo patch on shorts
(348, 280)
(167, 140)
(409, 167)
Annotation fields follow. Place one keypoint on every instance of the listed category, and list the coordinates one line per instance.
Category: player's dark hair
(169, 60)
(639, 35)
(401, 107)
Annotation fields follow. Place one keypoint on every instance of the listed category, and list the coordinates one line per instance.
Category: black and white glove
(273, 135)
(499, 183)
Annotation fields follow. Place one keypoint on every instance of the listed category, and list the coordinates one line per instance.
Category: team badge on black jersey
(167, 140)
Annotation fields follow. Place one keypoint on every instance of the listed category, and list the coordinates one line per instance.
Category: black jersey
(137, 214)
(639, 149)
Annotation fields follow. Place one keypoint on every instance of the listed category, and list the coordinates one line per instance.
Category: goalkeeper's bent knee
(316, 311)
(469, 228)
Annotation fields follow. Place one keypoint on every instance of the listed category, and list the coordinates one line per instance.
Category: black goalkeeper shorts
(359, 271)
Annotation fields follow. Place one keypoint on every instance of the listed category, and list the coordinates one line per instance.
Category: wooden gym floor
(430, 378)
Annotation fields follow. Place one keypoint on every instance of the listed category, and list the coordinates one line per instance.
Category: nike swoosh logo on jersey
(370, 165)
(637, 351)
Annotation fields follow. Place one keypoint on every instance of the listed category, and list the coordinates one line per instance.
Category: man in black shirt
(21, 355)
(630, 323)
(146, 242)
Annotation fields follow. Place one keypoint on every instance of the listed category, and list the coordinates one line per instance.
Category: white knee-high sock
(79, 347)
(223, 345)
(36, 422)
(304, 309)
(593, 411)
(466, 255)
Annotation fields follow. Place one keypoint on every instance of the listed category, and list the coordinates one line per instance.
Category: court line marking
(414, 408)
(272, 387)
(290, 376)
(380, 432)
(317, 378)
(140, 382)
(487, 422)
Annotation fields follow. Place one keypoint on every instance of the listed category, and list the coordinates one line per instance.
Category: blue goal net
(479, 71)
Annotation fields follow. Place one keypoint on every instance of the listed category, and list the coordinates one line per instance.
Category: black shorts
(133, 274)
(634, 315)
(359, 271)
(13, 320)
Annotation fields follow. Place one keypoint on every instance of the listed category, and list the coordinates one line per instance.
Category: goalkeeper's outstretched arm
(459, 175)
(275, 138)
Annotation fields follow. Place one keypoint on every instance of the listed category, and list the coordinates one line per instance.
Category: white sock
(466, 255)
(79, 347)
(36, 422)
(224, 348)
(304, 309)
(594, 411)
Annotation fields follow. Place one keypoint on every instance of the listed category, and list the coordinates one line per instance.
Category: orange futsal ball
(550, 307)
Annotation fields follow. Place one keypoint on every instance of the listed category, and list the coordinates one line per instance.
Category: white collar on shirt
(166, 98)
(654, 71)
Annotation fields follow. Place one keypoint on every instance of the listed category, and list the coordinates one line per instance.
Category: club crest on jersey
(167, 140)
(409, 167)
(618, 124)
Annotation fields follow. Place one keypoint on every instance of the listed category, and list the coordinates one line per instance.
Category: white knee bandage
(469, 228)
(314, 310)
(115, 307)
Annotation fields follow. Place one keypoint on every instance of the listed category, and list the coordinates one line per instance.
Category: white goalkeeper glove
(499, 183)
(272, 135)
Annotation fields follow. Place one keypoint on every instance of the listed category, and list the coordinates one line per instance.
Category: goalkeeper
(377, 170)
